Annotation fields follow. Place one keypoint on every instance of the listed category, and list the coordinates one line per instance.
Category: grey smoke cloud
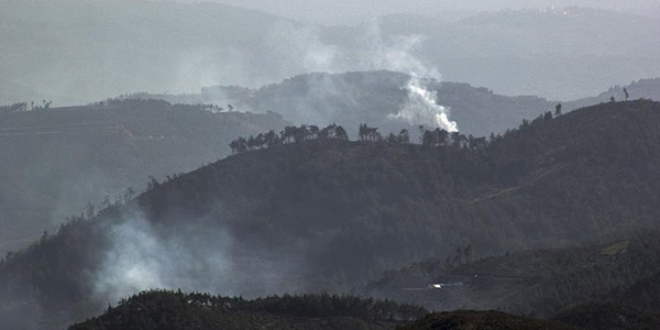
(141, 259)
(190, 256)
(302, 49)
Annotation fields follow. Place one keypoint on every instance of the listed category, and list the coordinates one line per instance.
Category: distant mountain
(56, 160)
(159, 47)
(558, 53)
(640, 89)
(83, 51)
(328, 215)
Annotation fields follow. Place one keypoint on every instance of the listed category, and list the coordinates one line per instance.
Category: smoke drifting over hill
(303, 46)
(189, 256)
(141, 259)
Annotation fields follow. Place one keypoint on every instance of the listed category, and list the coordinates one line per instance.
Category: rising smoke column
(422, 107)
(302, 49)
(397, 53)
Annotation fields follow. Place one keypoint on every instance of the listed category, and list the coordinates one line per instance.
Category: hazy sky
(353, 11)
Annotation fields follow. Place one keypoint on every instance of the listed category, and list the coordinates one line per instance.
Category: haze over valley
(249, 164)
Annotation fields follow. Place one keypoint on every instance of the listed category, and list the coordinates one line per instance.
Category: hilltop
(374, 97)
(170, 310)
(330, 214)
(641, 89)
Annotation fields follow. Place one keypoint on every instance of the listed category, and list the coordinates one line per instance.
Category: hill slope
(327, 215)
(539, 282)
(491, 320)
(55, 161)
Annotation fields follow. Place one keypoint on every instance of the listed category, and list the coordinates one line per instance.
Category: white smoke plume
(421, 107)
(141, 259)
(304, 49)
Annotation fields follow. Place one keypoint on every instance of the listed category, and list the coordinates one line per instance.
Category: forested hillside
(169, 310)
(54, 161)
(538, 282)
(490, 320)
(319, 213)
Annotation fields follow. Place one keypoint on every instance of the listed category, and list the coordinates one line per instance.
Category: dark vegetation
(610, 315)
(539, 282)
(290, 134)
(165, 310)
(482, 320)
(633, 305)
(360, 208)
(55, 160)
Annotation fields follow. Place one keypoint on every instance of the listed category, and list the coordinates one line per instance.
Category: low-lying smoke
(141, 259)
(189, 256)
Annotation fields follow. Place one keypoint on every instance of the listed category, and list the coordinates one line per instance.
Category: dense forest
(327, 215)
(537, 282)
(175, 310)
(483, 320)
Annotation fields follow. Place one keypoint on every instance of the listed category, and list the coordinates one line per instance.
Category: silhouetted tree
(362, 132)
(558, 110)
(404, 137)
(271, 139)
(369, 133)
(313, 132)
(288, 134)
(340, 133)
